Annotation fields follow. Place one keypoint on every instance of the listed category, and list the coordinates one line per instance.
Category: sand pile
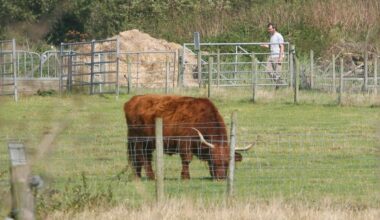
(148, 69)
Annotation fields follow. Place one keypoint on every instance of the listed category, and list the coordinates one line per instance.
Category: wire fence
(360, 73)
(313, 164)
(227, 65)
(8, 71)
(232, 64)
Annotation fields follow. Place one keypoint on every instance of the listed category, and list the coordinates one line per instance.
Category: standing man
(276, 53)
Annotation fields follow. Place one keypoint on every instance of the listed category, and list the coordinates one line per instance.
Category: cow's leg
(148, 152)
(186, 157)
(135, 157)
(148, 167)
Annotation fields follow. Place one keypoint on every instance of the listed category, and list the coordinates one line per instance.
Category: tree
(23, 11)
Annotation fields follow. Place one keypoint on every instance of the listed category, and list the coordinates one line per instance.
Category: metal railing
(8, 69)
(233, 62)
(324, 75)
(92, 67)
(148, 69)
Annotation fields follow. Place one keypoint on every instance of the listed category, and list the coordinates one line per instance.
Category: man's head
(271, 28)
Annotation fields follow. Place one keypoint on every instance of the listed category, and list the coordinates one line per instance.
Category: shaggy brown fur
(179, 115)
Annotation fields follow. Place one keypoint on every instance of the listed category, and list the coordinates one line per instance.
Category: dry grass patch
(190, 209)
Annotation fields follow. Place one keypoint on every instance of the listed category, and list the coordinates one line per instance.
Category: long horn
(246, 148)
(202, 138)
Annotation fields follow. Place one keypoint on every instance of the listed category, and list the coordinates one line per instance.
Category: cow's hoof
(185, 177)
(151, 177)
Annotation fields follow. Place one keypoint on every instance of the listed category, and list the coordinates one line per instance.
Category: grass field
(313, 152)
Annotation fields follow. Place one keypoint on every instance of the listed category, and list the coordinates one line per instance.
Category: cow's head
(219, 158)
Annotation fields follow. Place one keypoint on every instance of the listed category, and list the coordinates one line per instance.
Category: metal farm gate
(90, 67)
(148, 70)
(232, 64)
(356, 77)
(8, 68)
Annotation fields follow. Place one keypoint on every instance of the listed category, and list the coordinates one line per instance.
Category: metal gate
(232, 64)
(149, 70)
(90, 67)
(8, 68)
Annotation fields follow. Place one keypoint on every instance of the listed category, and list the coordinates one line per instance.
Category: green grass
(310, 151)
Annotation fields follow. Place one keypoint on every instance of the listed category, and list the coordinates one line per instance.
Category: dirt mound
(135, 40)
(149, 58)
(149, 67)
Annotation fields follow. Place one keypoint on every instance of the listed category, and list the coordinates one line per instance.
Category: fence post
(60, 69)
(14, 69)
(137, 62)
(174, 69)
(22, 197)
(333, 74)
(199, 64)
(341, 82)
(117, 66)
(210, 64)
(311, 69)
(167, 75)
(129, 72)
(218, 68)
(180, 68)
(254, 77)
(296, 80)
(92, 67)
(231, 166)
(69, 72)
(159, 161)
(236, 62)
(365, 83)
(292, 69)
(375, 74)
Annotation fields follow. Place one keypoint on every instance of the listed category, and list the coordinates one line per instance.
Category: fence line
(312, 164)
(8, 69)
(233, 66)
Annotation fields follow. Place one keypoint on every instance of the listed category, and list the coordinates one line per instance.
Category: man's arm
(282, 48)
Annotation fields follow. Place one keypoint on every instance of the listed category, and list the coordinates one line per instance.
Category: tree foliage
(306, 22)
(23, 11)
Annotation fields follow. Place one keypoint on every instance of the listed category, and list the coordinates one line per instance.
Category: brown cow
(191, 126)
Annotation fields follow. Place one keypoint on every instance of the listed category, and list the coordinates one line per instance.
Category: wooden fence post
(180, 67)
(15, 89)
(341, 81)
(159, 160)
(167, 70)
(365, 83)
(22, 197)
(210, 64)
(129, 73)
(375, 74)
(60, 68)
(292, 69)
(296, 80)
(333, 74)
(92, 73)
(218, 68)
(69, 73)
(254, 77)
(199, 65)
(231, 166)
(117, 67)
(311, 69)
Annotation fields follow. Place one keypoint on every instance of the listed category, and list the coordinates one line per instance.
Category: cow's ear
(238, 157)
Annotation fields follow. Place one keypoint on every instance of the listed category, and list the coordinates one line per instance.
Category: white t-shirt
(276, 39)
